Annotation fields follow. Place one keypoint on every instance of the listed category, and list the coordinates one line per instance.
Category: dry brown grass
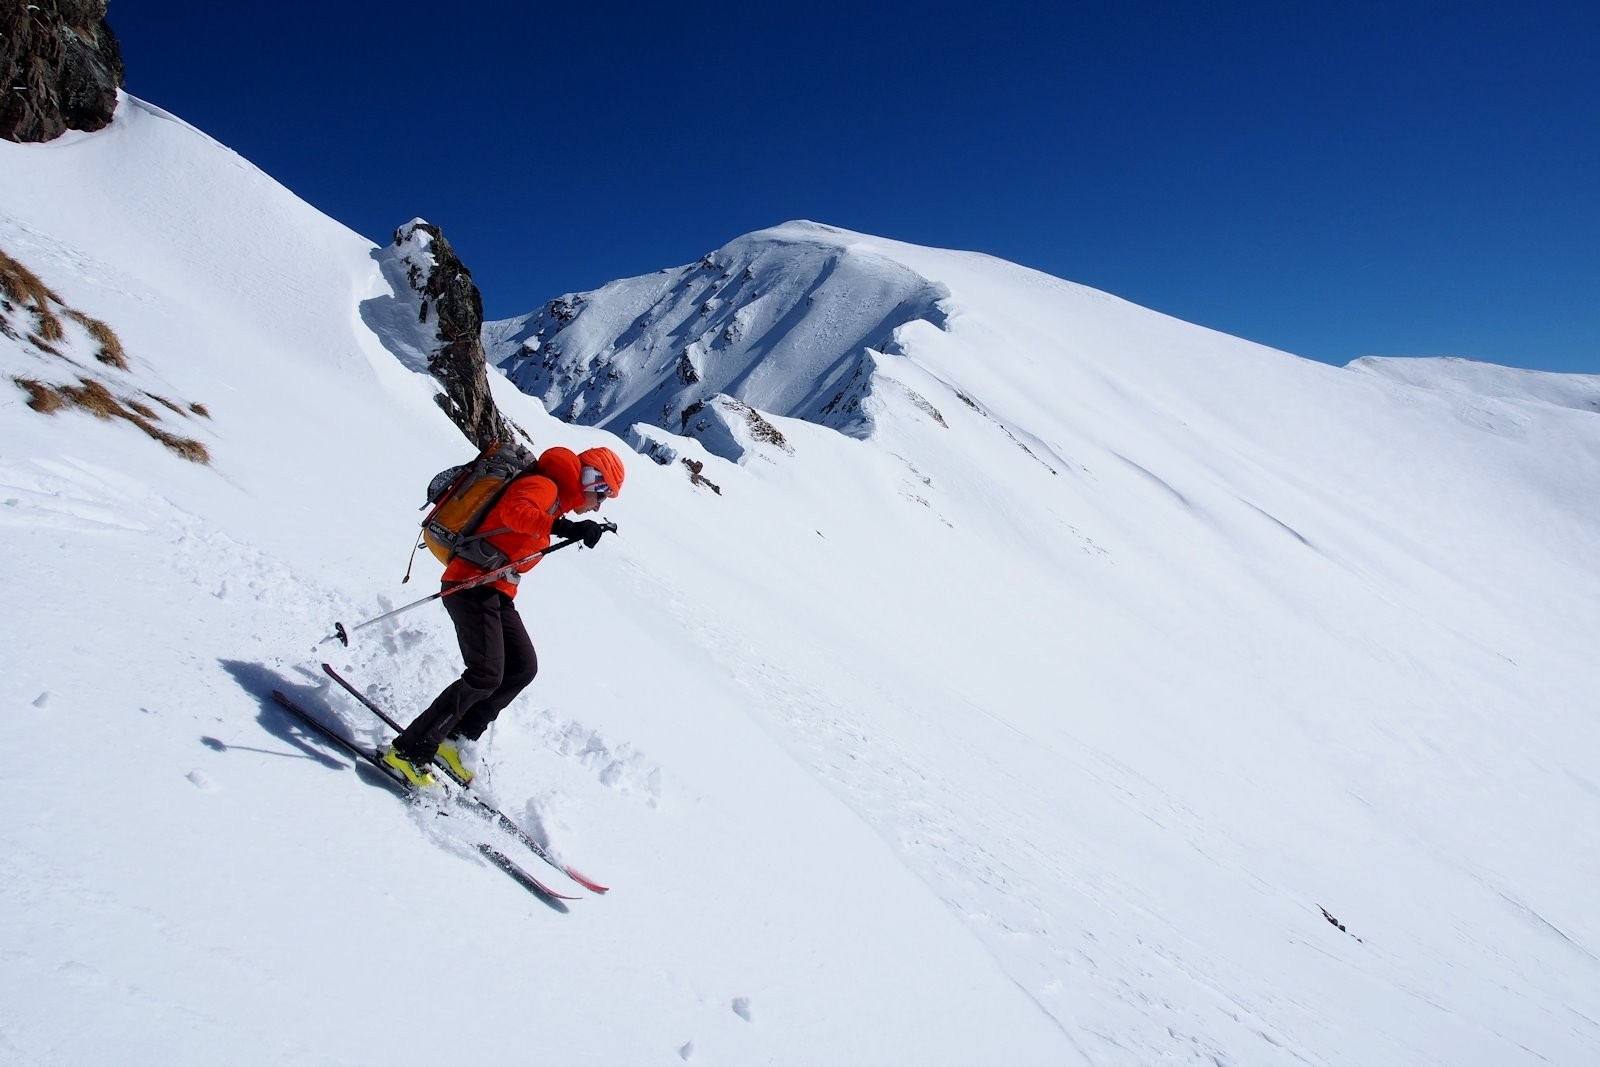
(22, 285)
(186, 447)
(19, 285)
(111, 350)
(41, 397)
(92, 396)
(164, 402)
(45, 346)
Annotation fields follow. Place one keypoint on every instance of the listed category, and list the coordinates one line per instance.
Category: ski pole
(342, 635)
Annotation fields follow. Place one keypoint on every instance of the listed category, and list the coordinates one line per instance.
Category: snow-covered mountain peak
(810, 321)
(791, 321)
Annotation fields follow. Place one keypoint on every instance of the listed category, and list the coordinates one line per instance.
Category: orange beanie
(606, 462)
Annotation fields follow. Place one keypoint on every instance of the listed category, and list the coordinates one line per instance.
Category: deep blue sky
(1336, 180)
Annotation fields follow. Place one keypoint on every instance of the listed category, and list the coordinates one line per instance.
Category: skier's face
(595, 490)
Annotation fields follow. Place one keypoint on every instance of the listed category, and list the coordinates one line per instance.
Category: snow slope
(1037, 716)
(1465, 378)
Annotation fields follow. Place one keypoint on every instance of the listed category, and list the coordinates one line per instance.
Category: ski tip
(588, 883)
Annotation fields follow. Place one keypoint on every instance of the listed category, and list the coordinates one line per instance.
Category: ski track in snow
(66, 496)
(617, 765)
(979, 867)
(80, 497)
(928, 822)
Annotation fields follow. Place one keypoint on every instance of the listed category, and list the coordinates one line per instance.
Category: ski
(505, 821)
(405, 791)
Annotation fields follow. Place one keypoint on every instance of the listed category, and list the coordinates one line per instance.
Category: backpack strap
(490, 554)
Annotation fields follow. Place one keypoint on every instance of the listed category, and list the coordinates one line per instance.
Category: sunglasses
(595, 482)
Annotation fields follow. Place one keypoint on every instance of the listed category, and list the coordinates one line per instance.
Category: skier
(500, 660)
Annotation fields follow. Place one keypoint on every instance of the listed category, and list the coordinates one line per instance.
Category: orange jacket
(526, 511)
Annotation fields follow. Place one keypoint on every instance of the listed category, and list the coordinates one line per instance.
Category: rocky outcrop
(60, 68)
(453, 306)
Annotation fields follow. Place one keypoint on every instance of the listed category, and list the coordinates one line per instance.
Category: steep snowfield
(1034, 719)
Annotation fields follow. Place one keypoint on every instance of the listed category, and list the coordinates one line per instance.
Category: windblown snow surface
(1099, 689)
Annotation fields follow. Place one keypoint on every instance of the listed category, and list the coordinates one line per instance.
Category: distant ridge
(790, 321)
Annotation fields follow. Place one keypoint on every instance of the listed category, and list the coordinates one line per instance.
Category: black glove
(586, 530)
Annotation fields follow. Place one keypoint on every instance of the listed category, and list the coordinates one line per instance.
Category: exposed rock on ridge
(452, 304)
(60, 68)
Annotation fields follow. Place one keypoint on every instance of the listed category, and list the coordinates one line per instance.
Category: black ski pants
(500, 664)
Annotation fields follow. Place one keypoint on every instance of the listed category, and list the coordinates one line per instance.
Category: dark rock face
(60, 68)
(455, 306)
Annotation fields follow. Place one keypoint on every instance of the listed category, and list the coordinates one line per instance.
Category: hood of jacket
(563, 467)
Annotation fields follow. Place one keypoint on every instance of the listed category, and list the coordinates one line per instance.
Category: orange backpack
(461, 497)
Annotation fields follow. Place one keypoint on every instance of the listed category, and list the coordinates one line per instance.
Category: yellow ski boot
(449, 757)
(417, 776)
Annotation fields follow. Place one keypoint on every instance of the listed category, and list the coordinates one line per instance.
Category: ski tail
(341, 742)
(327, 668)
